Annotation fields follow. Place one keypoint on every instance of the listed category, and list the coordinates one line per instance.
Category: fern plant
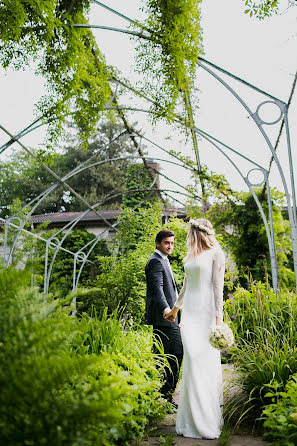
(54, 389)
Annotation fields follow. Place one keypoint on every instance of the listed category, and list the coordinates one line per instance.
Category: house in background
(91, 222)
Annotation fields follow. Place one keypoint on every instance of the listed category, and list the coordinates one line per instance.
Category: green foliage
(265, 355)
(261, 9)
(121, 281)
(240, 227)
(22, 177)
(61, 280)
(38, 373)
(67, 58)
(251, 249)
(281, 416)
(225, 437)
(180, 229)
(167, 58)
(138, 227)
(55, 390)
(137, 177)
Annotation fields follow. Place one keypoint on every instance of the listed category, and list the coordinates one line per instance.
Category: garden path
(164, 433)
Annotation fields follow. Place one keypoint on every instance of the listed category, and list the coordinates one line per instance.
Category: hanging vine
(41, 34)
(167, 59)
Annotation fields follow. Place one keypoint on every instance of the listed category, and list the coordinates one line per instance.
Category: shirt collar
(161, 254)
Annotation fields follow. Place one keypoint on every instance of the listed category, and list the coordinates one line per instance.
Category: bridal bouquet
(221, 336)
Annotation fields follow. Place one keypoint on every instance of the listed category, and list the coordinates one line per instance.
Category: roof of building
(91, 216)
(63, 217)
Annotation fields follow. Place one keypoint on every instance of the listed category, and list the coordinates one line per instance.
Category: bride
(199, 413)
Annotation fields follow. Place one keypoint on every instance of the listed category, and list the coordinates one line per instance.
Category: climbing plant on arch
(62, 35)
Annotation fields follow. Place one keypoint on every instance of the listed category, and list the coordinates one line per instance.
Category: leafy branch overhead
(167, 56)
(41, 33)
(261, 9)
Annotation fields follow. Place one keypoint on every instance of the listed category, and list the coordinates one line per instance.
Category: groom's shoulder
(155, 257)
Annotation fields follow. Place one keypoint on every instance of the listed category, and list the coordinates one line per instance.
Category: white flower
(221, 336)
(202, 227)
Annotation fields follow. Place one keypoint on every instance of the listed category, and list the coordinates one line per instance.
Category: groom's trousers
(170, 337)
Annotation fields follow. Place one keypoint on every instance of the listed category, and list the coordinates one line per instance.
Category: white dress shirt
(165, 257)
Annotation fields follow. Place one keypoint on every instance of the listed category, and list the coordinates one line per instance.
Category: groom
(160, 298)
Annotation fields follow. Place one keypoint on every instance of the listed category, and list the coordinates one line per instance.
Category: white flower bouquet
(221, 336)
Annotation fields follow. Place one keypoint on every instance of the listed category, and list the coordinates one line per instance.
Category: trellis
(53, 244)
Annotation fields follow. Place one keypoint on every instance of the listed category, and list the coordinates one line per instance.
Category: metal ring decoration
(53, 243)
(283, 107)
(271, 122)
(257, 170)
(80, 256)
(13, 226)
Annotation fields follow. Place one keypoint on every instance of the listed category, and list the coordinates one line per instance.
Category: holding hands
(170, 315)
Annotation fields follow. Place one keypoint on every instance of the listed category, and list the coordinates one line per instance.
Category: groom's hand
(169, 315)
(166, 312)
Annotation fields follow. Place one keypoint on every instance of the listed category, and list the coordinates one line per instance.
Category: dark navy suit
(161, 293)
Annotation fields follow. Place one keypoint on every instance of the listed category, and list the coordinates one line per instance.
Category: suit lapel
(165, 263)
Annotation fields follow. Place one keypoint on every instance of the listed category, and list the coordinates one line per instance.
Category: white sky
(261, 52)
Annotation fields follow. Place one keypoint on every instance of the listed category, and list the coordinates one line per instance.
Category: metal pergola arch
(283, 107)
(53, 242)
(259, 122)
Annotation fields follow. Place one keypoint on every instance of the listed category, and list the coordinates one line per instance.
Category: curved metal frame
(53, 243)
(259, 122)
(82, 257)
(37, 200)
(269, 231)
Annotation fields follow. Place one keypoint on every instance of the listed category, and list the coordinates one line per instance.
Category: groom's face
(166, 245)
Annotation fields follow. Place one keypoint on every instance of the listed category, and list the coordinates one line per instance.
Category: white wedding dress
(199, 412)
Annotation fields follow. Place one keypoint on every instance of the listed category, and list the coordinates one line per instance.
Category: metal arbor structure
(18, 223)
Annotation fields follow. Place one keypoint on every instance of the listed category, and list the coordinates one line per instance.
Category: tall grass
(265, 355)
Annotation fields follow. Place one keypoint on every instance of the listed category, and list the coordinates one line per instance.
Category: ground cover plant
(280, 417)
(60, 385)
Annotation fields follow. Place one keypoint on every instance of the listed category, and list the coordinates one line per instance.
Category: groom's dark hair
(163, 234)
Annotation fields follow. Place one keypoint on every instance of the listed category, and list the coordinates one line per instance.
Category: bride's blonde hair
(200, 237)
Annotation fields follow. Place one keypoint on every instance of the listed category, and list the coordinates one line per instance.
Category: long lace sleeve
(218, 281)
(180, 299)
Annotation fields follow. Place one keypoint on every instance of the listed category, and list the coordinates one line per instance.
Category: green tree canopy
(24, 178)
(41, 34)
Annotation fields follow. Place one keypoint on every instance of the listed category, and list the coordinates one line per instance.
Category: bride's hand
(218, 321)
(171, 316)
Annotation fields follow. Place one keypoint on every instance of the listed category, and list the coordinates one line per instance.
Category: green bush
(281, 416)
(61, 280)
(55, 390)
(121, 280)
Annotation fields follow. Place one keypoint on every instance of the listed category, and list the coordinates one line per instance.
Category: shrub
(121, 281)
(281, 416)
(55, 390)
(61, 280)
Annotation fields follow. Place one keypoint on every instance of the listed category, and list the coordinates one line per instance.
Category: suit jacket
(160, 291)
